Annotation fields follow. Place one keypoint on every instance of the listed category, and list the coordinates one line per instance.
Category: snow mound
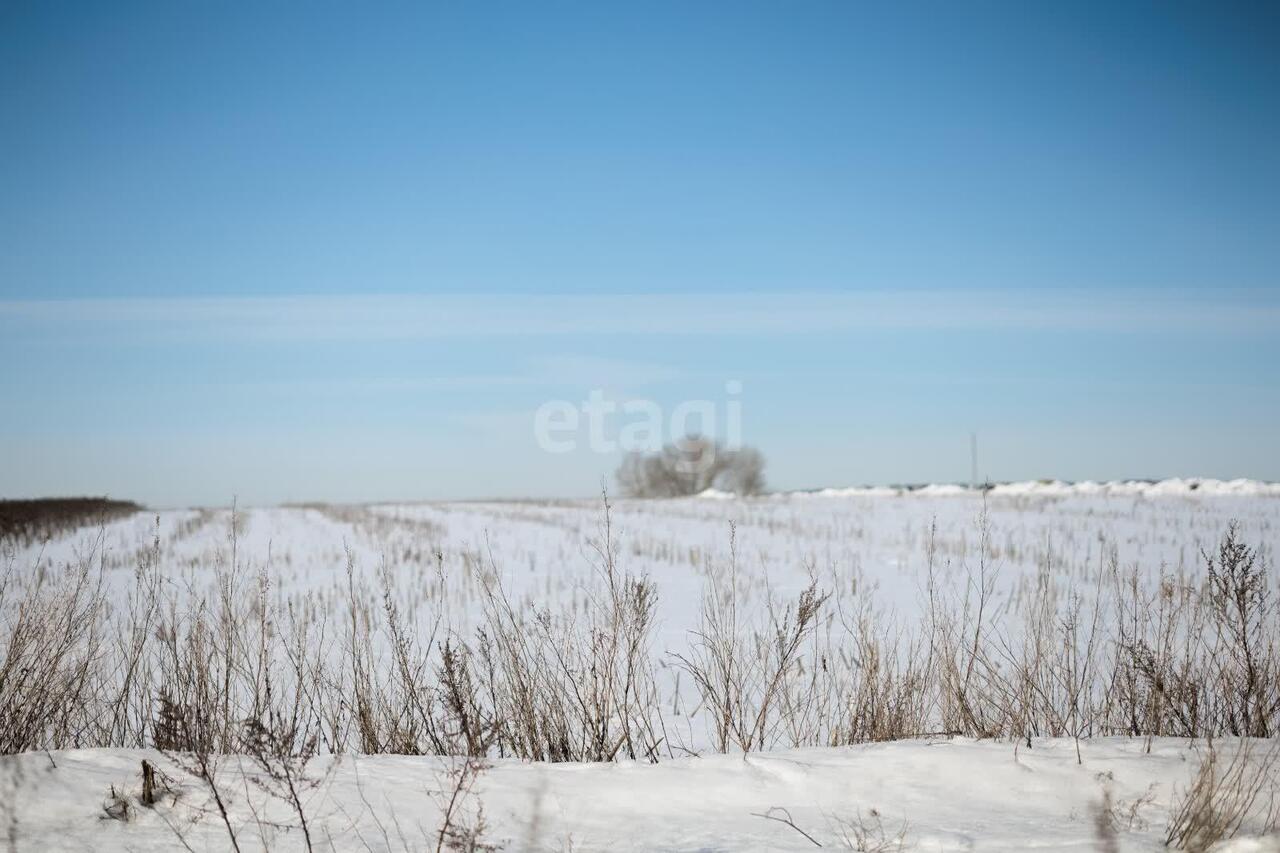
(1174, 487)
(858, 491)
(716, 495)
(938, 490)
(941, 794)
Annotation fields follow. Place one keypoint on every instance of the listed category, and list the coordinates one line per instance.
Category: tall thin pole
(973, 458)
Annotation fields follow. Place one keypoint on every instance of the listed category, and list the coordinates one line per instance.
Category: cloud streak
(416, 317)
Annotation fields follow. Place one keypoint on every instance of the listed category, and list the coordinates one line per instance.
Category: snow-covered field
(869, 547)
(869, 541)
(949, 795)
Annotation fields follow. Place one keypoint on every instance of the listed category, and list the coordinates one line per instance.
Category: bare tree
(689, 466)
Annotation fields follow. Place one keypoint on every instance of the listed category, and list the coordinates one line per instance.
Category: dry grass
(238, 666)
(1225, 795)
(391, 666)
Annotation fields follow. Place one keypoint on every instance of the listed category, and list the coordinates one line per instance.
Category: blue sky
(344, 252)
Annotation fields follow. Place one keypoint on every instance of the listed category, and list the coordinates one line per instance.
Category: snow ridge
(1198, 487)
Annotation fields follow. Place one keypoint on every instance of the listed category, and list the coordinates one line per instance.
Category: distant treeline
(43, 517)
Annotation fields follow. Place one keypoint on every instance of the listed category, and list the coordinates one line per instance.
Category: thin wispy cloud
(541, 372)
(390, 317)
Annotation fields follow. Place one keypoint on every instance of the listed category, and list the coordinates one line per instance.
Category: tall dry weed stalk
(190, 658)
